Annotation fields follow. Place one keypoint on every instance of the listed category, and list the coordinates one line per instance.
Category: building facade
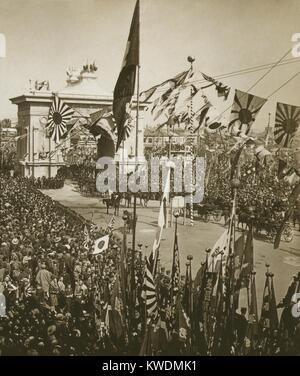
(37, 154)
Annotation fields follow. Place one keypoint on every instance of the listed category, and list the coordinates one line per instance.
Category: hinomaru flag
(101, 245)
(244, 110)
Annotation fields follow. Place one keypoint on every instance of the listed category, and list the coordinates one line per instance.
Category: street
(284, 262)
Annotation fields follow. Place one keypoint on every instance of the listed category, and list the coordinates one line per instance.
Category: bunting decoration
(166, 87)
(165, 105)
(244, 111)
(287, 122)
(222, 90)
(59, 116)
(125, 85)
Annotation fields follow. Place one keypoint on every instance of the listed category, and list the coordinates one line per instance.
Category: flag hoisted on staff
(87, 238)
(59, 115)
(149, 293)
(244, 110)
(161, 222)
(125, 85)
(101, 245)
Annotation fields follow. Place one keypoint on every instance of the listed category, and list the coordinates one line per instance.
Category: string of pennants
(185, 101)
(172, 97)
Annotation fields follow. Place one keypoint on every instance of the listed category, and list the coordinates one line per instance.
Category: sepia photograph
(149, 180)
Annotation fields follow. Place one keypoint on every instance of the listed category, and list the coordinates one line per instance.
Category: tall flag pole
(161, 222)
(123, 93)
(175, 276)
(268, 131)
(125, 85)
(132, 274)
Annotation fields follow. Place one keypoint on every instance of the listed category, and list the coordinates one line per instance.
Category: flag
(261, 153)
(123, 269)
(186, 301)
(166, 107)
(222, 90)
(200, 283)
(170, 98)
(87, 239)
(252, 326)
(214, 332)
(244, 110)
(221, 246)
(116, 325)
(247, 259)
(292, 178)
(201, 114)
(111, 225)
(292, 199)
(269, 317)
(282, 169)
(160, 223)
(184, 332)
(103, 125)
(287, 122)
(170, 102)
(160, 336)
(212, 126)
(59, 115)
(125, 85)
(93, 228)
(165, 88)
(147, 346)
(149, 293)
(175, 276)
(239, 248)
(101, 245)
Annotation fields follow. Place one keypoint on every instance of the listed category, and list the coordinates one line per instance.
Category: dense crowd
(50, 281)
(62, 300)
(262, 197)
(56, 182)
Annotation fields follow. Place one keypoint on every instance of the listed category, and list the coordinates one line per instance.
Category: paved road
(285, 261)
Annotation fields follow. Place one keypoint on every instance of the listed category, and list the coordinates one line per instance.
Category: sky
(44, 37)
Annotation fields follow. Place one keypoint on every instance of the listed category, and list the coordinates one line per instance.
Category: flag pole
(268, 131)
(132, 276)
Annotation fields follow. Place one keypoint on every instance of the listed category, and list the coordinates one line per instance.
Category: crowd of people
(265, 208)
(57, 298)
(56, 182)
(49, 280)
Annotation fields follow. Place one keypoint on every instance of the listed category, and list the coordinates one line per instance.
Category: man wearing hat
(43, 279)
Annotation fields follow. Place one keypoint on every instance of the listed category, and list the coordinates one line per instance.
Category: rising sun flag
(243, 113)
(59, 116)
(287, 122)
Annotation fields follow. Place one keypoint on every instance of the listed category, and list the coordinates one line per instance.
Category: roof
(87, 84)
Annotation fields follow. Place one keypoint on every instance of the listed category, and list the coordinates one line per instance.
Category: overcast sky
(44, 37)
